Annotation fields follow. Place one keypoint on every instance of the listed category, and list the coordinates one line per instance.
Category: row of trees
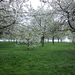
(51, 20)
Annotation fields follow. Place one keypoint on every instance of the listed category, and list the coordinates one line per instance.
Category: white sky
(35, 3)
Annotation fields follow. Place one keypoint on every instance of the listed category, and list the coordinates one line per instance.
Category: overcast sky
(35, 3)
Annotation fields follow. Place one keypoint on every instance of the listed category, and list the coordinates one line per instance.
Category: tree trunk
(61, 40)
(53, 39)
(27, 43)
(73, 40)
(58, 39)
(42, 40)
(48, 40)
(16, 41)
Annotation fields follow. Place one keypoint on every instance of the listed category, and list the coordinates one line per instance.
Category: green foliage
(58, 59)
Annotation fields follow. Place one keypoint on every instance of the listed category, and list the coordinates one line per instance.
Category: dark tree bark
(53, 39)
(58, 39)
(8, 25)
(42, 40)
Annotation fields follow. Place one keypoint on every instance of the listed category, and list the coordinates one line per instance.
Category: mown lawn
(57, 59)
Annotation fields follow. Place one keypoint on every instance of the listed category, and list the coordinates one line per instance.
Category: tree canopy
(20, 21)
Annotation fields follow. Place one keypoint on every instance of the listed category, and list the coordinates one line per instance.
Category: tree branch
(8, 25)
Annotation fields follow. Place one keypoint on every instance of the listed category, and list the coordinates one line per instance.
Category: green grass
(57, 59)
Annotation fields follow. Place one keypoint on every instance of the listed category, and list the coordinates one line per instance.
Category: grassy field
(58, 59)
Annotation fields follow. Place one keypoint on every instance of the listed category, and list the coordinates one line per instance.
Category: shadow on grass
(72, 52)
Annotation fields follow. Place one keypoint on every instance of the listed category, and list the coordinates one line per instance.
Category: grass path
(58, 59)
